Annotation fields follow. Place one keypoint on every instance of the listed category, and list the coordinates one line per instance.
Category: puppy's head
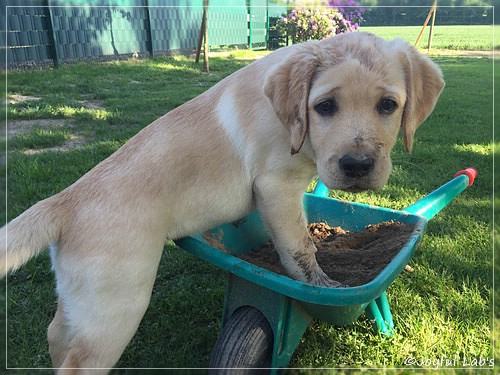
(349, 96)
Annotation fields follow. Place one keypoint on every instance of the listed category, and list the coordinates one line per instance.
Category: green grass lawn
(442, 310)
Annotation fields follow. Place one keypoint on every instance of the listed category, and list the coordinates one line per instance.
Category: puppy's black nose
(356, 166)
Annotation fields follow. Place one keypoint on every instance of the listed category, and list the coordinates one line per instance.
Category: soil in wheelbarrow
(352, 258)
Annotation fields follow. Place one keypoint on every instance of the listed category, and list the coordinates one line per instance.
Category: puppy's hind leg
(58, 337)
(102, 302)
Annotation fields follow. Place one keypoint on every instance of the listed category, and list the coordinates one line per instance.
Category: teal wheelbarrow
(265, 314)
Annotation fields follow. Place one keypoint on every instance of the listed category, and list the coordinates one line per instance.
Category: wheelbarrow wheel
(245, 342)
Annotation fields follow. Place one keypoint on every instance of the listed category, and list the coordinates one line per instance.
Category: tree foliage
(426, 3)
(414, 12)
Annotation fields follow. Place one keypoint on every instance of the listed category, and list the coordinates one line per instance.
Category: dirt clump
(352, 258)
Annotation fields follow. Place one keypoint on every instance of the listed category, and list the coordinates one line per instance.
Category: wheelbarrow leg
(285, 316)
(379, 312)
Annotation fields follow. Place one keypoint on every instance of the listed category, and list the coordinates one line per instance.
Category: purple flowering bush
(351, 11)
(303, 24)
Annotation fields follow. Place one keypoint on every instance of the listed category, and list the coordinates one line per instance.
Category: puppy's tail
(28, 234)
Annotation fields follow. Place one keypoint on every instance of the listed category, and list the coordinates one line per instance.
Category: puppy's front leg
(280, 204)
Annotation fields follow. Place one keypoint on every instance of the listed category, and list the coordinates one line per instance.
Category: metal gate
(73, 29)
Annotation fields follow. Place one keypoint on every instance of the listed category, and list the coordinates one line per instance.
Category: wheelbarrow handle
(431, 204)
(320, 189)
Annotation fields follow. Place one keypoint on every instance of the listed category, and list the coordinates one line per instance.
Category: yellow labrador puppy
(331, 108)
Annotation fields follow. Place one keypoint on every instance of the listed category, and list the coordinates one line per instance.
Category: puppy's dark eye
(326, 107)
(386, 106)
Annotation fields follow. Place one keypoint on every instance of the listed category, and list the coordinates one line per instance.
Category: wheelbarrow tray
(221, 245)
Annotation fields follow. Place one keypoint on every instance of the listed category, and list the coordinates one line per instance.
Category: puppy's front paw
(321, 279)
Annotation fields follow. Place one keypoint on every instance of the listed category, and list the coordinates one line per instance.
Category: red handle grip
(469, 172)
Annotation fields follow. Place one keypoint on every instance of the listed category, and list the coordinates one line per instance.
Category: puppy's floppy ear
(424, 83)
(287, 88)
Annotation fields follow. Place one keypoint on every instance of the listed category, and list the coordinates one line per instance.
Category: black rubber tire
(245, 342)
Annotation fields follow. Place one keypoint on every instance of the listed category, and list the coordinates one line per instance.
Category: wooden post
(203, 36)
(431, 31)
(431, 12)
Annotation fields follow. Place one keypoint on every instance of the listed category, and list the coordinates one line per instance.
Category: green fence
(45, 31)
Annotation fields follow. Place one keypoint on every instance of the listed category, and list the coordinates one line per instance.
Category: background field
(65, 121)
(456, 38)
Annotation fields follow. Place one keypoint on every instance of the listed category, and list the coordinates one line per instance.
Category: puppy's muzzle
(355, 166)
